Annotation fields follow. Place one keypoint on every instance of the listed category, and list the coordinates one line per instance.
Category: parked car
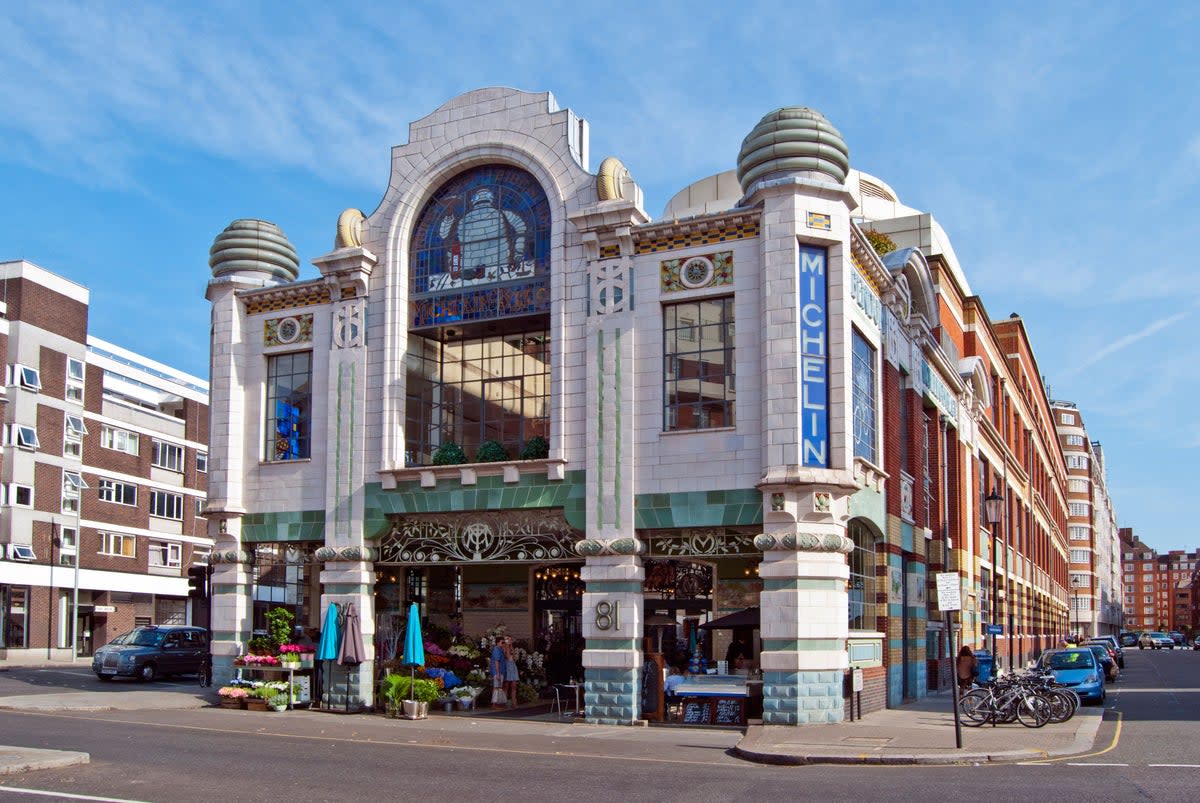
(1155, 640)
(1129, 639)
(1078, 669)
(1107, 660)
(1176, 637)
(152, 651)
(1115, 648)
(1196, 643)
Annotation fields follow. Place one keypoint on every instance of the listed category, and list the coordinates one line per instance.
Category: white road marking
(68, 795)
(1094, 764)
(1189, 766)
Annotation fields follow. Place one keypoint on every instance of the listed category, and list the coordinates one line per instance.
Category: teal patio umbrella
(327, 647)
(414, 645)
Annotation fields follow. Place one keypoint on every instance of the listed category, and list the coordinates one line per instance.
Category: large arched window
(478, 362)
(862, 577)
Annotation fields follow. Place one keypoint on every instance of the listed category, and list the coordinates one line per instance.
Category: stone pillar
(349, 577)
(232, 612)
(804, 601)
(612, 630)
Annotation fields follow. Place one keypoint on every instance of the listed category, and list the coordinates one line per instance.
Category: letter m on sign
(814, 358)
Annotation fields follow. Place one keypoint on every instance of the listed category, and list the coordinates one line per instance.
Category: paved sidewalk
(920, 733)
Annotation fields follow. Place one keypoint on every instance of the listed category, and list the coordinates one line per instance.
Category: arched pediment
(912, 265)
(974, 374)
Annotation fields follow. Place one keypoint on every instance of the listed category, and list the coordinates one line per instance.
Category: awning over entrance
(746, 617)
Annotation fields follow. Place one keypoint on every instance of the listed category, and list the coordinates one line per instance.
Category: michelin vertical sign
(814, 358)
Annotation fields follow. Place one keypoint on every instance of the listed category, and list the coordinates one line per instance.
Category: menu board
(714, 711)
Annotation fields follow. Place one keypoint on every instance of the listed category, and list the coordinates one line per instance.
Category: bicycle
(1003, 701)
(204, 675)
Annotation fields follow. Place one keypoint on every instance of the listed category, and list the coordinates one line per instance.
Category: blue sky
(1057, 143)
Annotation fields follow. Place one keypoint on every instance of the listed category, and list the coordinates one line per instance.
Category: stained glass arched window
(481, 249)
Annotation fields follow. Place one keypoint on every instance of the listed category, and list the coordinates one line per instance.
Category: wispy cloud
(1127, 341)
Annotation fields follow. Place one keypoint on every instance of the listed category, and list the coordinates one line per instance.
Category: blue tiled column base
(609, 696)
(802, 698)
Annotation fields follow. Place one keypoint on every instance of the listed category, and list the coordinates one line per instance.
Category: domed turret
(254, 249)
(793, 140)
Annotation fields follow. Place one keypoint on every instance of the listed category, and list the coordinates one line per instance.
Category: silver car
(1155, 640)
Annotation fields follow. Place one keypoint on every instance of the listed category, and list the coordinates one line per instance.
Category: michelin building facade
(513, 396)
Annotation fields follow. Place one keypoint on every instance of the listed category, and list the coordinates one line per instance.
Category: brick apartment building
(103, 469)
(1159, 591)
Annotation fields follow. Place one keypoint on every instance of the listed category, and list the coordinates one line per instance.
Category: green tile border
(292, 525)
(733, 507)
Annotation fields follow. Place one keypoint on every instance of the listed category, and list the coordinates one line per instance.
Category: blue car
(1078, 669)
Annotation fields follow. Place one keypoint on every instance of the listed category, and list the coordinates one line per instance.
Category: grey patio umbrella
(352, 651)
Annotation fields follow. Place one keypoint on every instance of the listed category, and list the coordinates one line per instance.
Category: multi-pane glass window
(74, 387)
(862, 578)
(165, 555)
(472, 390)
(122, 493)
(481, 250)
(118, 544)
(863, 396)
(168, 456)
(119, 439)
(14, 616)
(202, 462)
(289, 406)
(698, 366)
(166, 505)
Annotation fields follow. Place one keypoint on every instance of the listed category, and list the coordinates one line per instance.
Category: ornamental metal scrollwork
(701, 542)
(479, 538)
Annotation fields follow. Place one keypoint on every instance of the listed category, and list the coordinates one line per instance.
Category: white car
(1155, 640)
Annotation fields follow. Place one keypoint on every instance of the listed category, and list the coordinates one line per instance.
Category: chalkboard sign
(729, 711)
(697, 712)
(651, 687)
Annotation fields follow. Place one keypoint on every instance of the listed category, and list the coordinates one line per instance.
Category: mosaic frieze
(287, 331)
(696, 272)
(700, 542)
(723, 234)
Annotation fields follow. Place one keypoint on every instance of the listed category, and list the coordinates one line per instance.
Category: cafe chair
(556, 705)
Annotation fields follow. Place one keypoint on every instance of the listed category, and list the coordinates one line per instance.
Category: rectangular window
(73, 448)
(168, 456)
(20, 495)
(68, 546)
(202, 462)
(1077, 486)
(289, 406)
(14, 616)
(1078, 508)
(118, 544)
(74, 390)
(1079, 533)
(1080, 556)
(165, 555)
(166, 505)
(863, 397)
(1066, 418)
(1074, 440)
(199, 506)
(119, 439)
(22, 436)
(73, 486)
(122, 493)
(25, 377)
(698, 365)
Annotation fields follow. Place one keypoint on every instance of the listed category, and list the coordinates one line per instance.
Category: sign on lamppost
(949, 591)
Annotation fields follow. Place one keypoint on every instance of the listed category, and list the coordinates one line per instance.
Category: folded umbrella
(414, 645)
(352, 651)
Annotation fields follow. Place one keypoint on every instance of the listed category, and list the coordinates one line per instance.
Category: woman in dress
(496, 666)
(511, 676)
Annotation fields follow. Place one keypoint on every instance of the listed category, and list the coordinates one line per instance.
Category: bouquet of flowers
(290, 649)
(233, 692)
(258, 660)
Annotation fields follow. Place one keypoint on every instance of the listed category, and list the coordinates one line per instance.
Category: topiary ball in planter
(536, 448)
(491, 452)
(449, 454)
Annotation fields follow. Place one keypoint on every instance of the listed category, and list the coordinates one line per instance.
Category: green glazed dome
(255, 247)
(793, 139)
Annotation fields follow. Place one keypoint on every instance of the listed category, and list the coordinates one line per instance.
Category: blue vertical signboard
(814, 358)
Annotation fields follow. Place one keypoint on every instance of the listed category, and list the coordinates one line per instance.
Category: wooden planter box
(228, 702)
(256, 704)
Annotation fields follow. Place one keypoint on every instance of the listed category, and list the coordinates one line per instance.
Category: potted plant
(232, 696)
(257, 699)
(279, 627)
(278, 701)
(412, 694)
(465, 696)
(491, 452)
(449, 454)
(536, 448)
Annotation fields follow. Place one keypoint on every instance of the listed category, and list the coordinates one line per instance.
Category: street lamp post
(993, 506)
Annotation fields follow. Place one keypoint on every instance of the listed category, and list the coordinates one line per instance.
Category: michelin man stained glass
(481, 249)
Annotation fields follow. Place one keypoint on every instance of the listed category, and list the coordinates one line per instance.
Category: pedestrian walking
(967, 667)
(511, 675)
